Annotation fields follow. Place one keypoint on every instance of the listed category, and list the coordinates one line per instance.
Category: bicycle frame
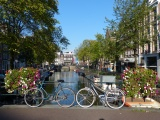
(46, 94)
(92, 87)
(114, 97)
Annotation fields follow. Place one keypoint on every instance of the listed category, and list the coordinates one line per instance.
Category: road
(53, 112)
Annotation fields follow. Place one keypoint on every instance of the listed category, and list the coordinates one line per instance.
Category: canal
(72, 80)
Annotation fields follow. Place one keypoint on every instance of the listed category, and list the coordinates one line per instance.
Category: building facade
(64, 58)
(68, 58)
(4, 58)
(148, 56)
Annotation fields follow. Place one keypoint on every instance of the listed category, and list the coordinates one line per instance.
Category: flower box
(21, 80)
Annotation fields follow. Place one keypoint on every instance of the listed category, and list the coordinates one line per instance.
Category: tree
(83, 52)
(132, 24)
(107, 48)
(87, 51)
(97, 51)
(22, 18)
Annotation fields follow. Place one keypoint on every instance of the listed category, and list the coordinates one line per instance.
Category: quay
(54, 112)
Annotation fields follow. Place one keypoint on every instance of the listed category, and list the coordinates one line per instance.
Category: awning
(127, 60)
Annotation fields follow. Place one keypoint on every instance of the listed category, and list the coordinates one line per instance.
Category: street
(54, 112)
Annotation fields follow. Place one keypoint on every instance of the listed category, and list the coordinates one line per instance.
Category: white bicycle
(114, 97)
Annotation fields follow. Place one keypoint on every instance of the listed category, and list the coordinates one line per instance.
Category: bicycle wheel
(115, 98)
(33, 97)
(85, 97)
(65, 97)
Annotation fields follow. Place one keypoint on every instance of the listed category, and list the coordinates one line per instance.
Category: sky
(83, 19)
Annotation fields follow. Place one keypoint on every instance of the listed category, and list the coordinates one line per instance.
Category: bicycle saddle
(60, 81)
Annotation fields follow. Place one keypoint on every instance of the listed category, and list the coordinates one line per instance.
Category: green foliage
(21, 80)
(139, 82)
(85, 51)
(131, 25)
(30, 27)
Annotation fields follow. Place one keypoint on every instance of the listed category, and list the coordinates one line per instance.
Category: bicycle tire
(34, 97)
(85, 97)
(65, 97)
(115, 98)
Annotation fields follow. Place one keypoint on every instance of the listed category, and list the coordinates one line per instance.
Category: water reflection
(71, 79)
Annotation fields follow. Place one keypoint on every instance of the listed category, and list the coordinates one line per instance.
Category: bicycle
(114, 97)
(65, 97)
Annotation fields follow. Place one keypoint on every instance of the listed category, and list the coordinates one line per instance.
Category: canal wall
(72, 68)
(68, 68)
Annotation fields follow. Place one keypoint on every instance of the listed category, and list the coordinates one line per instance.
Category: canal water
(71, 80)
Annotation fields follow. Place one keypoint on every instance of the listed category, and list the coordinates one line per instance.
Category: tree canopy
(128, 31)
(132, 24)
(27, 25)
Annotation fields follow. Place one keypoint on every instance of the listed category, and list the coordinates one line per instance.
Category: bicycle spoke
(115, 99)
(65, 97)
(85, 97)
(33, 97)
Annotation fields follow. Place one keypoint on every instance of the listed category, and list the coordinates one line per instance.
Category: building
(64, 58)
(68, 58)
(148, 56)
(4, 58)
(59, 60)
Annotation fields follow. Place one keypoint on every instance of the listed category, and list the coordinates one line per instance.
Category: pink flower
(23, 86)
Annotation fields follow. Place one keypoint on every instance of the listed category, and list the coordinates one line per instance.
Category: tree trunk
(11, 60)
(135, 57)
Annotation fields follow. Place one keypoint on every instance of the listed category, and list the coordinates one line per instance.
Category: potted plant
(21, 80)
(139, 82)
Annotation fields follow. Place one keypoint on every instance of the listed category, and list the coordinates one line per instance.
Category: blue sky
(83, 19)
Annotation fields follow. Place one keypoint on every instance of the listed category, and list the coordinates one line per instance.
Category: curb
(151, 104)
